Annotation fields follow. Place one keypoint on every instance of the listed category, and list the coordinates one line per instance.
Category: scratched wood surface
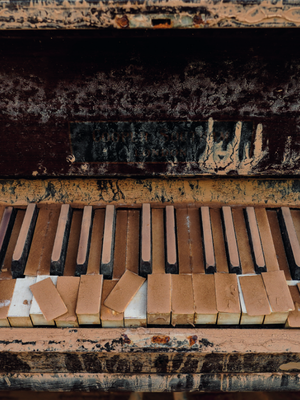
(230, 109)
(148, 14)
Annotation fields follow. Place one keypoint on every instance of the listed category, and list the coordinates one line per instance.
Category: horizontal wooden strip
(230, 382)
(273, 192)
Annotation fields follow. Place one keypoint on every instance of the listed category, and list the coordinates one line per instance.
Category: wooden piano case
(126, 116)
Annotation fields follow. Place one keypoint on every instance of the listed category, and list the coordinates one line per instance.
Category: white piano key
(136, 312)
(19, 310)
(36, 314)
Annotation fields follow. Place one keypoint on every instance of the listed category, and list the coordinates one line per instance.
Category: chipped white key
(136, 312)
(19, 310)
(36, 314)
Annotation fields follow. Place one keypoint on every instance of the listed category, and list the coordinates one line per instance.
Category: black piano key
(255, 242)
(290, 240)
(6, 226)
(107, 258)
(208, 246)
(230, 241)
(58, 256)
(84, 241)
(146, 251)
(171, 250)
(21, 251)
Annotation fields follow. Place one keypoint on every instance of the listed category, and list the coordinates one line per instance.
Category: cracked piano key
(279, 296)
(8, 215)
(230, 241)
(182, 227)
(159, 299)
(39, 258)
(120, 244)
(244, 248)
(21, 251)
(227, 297)
(293, 319)
(36, 314)
(255, 241)
(266, 240)
(6, 293)
(124, 291)
(158, 241)
(61, 241)
(291, 242)
(253, 299)
(205, 299)
(96, 243)
(71, 256)
(108, 242)
(89, 299)
(133, 241)
(196, 248)
(48, 299)
(67, 287)
(84, 241)
(278, 243)
(146, 251)
(6, 266)
(18, 314)
(110, 318)
(208, 246)
(171, 259)
(182, 300)
(135, 314)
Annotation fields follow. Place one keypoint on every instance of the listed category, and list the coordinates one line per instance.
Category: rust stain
(123, 22)
(192, 339)
(126, 339)
(160, 339)
(197, 20)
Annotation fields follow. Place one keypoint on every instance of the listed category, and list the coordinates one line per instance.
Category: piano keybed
(179, 266)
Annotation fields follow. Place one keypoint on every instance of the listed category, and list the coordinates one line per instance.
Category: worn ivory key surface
(67, 287)
(136, 312)
(205, 299)
(89, 299)
(124, 291)
(253, 299)
(227, 296)
(36, 314)
(18, 314)
(182, 300)
(159, 299)
(110, 318)
(6, 293)
(279, 296)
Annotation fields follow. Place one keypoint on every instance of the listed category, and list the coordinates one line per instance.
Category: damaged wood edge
(150, 383)
(268, 192)
(148, 14)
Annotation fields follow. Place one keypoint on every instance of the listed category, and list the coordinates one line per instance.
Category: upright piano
(158, 139)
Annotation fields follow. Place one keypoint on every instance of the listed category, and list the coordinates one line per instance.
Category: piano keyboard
(150, 266)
